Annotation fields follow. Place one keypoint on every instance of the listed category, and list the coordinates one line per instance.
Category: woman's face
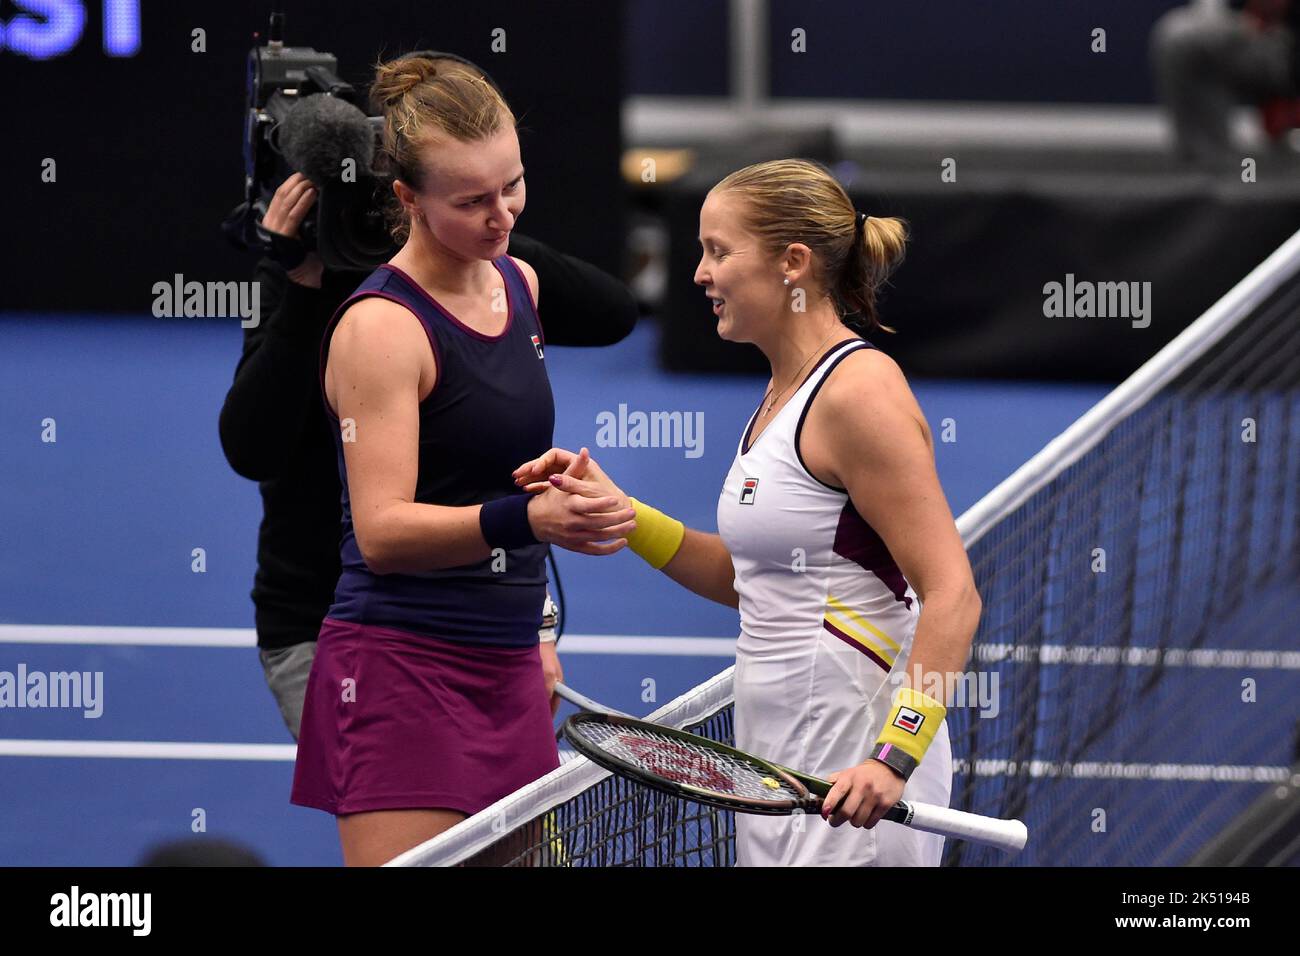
(473, 194)
(742, 281)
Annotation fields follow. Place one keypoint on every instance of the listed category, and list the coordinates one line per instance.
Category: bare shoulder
(530, 274)
(864, 375)
(376, 332)
(869, 390)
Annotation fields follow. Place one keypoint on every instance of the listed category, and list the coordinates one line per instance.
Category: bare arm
(868, 435)
(374, 361)
(703, 565)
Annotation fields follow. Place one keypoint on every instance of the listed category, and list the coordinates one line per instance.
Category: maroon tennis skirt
(394, 720)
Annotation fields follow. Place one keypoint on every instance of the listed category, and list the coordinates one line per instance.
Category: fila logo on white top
(748, 490)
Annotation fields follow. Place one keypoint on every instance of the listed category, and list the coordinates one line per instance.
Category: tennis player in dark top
(427, 699)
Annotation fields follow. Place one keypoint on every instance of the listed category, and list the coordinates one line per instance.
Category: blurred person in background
(1211, 55)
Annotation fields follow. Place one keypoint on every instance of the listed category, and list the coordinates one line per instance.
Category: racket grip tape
(1007, 835)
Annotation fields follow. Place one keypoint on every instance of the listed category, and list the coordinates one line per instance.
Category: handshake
(575, 504)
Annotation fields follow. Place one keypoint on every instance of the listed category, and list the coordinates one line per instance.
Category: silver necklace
(768, 409)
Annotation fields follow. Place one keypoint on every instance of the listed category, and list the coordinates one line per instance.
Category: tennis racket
(705, 771)
(585, 702)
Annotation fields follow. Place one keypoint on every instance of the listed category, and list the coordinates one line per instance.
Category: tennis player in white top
(857, 603)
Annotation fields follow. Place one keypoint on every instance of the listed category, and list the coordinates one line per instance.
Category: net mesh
(1131, 606)
(1134, 682)
(612, 822)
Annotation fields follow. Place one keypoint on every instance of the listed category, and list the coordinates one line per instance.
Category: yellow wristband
(913, 722)
(657, 536)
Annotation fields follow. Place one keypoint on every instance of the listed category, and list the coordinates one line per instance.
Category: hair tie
(862, 218)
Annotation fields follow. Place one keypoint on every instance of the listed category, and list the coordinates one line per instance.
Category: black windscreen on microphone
(322, 131)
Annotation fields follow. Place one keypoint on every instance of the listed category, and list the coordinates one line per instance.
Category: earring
(787, 281)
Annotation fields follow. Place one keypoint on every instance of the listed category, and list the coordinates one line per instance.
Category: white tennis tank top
(826, 615)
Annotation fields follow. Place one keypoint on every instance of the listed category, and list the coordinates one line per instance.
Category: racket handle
(1007, 835)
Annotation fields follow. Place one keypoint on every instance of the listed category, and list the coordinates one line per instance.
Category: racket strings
(688, 763)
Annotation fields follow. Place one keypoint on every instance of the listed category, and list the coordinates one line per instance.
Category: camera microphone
(320, 133)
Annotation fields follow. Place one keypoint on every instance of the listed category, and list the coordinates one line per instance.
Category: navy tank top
(490, 410)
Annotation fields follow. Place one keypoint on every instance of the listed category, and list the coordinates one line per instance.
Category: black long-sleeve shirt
(274, 429)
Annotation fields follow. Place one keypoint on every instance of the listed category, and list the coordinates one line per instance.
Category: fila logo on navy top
(909, 720)
(748, 490)
(537, 344)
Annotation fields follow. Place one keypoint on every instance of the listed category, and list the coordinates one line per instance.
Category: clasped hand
(575, 505)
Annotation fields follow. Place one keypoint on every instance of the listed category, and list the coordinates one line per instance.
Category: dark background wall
(148, 146)
(907, 49)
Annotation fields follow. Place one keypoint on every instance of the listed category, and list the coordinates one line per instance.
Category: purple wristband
(504, 522)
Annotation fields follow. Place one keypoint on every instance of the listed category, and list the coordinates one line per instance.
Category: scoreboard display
(44, 29)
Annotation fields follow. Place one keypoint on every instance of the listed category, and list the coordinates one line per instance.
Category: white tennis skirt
(815, 705)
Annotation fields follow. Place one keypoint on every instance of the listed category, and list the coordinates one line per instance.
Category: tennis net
(1141, 588)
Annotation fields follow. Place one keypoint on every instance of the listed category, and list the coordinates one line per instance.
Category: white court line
(648, 645)
(653, 646)
(146, 750)
(157, 636)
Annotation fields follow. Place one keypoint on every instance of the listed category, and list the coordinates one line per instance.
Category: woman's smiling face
(742, 281)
